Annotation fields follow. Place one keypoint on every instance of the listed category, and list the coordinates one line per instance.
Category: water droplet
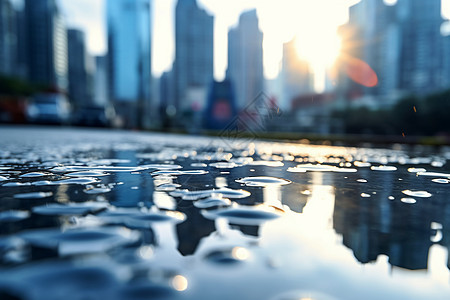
(70, 209)
(319, 168)
(34, 174)
(440, 180)
(14, 184)
(199, 165)
(361, 180)
(361, 164)
(35, 195)
(391, 197)
(268, 163)
(420, 194)
(416, 170)
(383, 168)
(243, 215)
(434, 174)
(13, 215)
(86, 174)
(161, 166)
(77, 180)
(97, 190)
(223, 165)
(216, 200)
(263, 181)
(228, 256)
(80, 240)
(364, 195)
(3, 178)
(408, 200)
(180, 283)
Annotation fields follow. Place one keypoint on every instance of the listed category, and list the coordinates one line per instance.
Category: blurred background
(373, 67)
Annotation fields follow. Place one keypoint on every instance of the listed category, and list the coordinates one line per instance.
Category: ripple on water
(136, 218)
(228, 256)
(383, 168)
(35, 174)
(161, 166)
(420, 194)
(434, 174)
(195, 195)
(34, 195)
(263, 181)
(70, 209)
(3, 178)
(416, 170)
(80, 240)
(243, 215)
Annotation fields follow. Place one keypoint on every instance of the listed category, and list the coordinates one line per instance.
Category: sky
(279, 20)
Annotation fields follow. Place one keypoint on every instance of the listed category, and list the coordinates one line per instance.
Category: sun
(320, 49)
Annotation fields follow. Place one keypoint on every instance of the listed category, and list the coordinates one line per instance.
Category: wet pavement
(90, 214)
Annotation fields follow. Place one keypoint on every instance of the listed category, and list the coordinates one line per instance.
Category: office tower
(129, 56)
(221, 107)
(79, 92)
(194, 44)
(245, 59)
(8, 38)
(101, 96)
(297, 78)
(46, 44)
(421, 57)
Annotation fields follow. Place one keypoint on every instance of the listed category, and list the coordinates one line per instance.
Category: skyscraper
(421, 45)
(296, 75)
(79, 87)
(8, 37)
(194, 44)
(129, 55)
(245, 58)
(46, 43)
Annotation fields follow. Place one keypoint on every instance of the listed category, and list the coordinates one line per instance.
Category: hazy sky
(279, 21)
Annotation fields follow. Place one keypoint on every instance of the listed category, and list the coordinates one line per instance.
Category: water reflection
(259, 230)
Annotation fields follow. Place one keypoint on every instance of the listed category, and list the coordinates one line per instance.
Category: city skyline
(88, 14)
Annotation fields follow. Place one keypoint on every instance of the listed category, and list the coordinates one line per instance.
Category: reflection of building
(221, 108)
(296, 74)
(193, 65)
(79, 84)
(46, 43)
(245, 59)
(129, 48)
(377, 225)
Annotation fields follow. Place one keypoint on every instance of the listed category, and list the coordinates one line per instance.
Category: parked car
(93, 116)
(48, 108)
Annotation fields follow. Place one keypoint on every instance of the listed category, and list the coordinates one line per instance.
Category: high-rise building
(79, 85)
(46, 44)
(129, 56)
(100, 88)
(8, 38)
(421, 55)
(297, 78)
(245, 59)
(194, 45)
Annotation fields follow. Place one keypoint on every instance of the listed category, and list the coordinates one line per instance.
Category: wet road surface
(88, 214)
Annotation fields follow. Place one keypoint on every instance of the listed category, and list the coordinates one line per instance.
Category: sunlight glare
(320, 49)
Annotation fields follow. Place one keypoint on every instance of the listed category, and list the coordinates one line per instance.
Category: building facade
(245, 59)
(46, 44)
(194, 45)
(129, 59)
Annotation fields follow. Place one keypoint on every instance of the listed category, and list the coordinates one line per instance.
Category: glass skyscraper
(194, 44)
(46, 44)
(245, 59)
(129, 55)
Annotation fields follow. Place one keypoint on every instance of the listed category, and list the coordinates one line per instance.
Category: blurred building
(8, 37)
(297, 78)
(100, 84)
(129, 59)
(245, 59)
(421, 45)
(194, 44)
(80, 69)
(46, 44)
(401, 43)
